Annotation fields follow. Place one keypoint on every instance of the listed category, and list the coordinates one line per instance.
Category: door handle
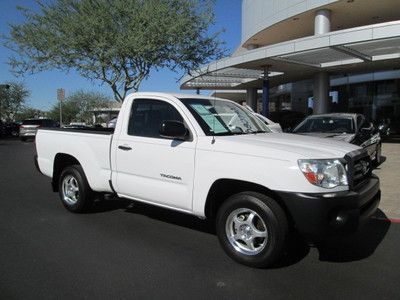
(125, 148)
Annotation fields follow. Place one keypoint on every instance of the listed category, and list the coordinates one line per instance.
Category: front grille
(361, 171)
(358, 168)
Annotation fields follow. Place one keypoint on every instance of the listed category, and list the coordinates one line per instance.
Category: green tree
(116, 41)
(12, 100)
(79, 106)
(27, 112)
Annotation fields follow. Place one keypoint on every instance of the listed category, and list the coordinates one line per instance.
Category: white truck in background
(214, 159)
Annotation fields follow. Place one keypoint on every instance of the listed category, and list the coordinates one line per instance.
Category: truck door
(148, 167)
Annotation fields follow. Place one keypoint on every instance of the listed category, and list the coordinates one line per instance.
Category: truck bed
(90, 146)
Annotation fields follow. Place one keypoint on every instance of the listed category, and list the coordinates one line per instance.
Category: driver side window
(147, 115)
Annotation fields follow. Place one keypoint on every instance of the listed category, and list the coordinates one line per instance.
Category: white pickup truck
(211, 158)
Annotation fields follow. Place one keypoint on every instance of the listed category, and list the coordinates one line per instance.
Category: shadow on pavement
(103, 204)
(110, 203)
(357, 246)
(296, 250)
(335, 249)
(172, 217)
(383, 159)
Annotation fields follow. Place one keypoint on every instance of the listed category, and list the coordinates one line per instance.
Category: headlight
(326, 173)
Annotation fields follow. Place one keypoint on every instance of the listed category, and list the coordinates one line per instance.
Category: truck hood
(284, 146)
(345, 137)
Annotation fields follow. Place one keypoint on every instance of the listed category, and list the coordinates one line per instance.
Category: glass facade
(378, 100)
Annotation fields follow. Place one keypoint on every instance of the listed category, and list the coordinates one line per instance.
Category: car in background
(12, 129)
(75, 125)
(347, 127)
(9, 129)
(29, 127)
(288, 119)
(2, 128)
(112, 122)
(274, 127)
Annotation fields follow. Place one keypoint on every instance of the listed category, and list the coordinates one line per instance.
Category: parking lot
(389, 172)
(129, 250)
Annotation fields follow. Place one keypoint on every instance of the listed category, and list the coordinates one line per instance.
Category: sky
(43, 86)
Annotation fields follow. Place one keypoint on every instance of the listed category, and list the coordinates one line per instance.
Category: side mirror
(173, 130)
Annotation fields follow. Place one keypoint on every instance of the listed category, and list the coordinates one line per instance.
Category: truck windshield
(219, 117)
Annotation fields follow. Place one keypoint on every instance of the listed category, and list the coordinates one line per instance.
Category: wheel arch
(61, 161)
(223, 188)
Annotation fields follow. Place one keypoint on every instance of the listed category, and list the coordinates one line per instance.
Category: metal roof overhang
(362, 49)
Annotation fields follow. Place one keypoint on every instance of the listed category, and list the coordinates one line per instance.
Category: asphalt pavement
(389, 173)
(127, 250)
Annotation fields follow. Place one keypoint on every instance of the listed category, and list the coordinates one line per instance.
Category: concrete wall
(260, 14)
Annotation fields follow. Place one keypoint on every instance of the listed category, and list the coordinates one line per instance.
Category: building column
(251, 98)
(321, 93)
(252, 46)
(322, 21)
(322, 24)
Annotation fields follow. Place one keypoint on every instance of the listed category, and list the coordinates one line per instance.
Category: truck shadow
(154, 212)
(383, 159)
(357, 246)
(343, 249)
(354, 247)
(172, 217)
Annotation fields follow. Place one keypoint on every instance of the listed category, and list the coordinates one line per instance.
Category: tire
(266, 232)
(74, 190)
(23, 139)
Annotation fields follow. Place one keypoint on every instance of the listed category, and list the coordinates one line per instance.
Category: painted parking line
(391, 220)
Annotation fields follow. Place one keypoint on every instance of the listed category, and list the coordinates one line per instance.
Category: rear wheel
(74, 190)
(252, 229)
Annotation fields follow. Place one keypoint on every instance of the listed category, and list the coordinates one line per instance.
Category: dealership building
(313, 56)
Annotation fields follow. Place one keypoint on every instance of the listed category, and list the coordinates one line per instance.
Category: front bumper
(318, 215)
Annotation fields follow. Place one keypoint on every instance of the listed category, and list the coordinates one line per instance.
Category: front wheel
(252, 229)
(74, 190)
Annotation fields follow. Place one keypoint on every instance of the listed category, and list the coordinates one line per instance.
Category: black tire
(274, 219)
(82, 200)
(23, 139)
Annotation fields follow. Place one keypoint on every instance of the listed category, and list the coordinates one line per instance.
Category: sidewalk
(389, 174)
